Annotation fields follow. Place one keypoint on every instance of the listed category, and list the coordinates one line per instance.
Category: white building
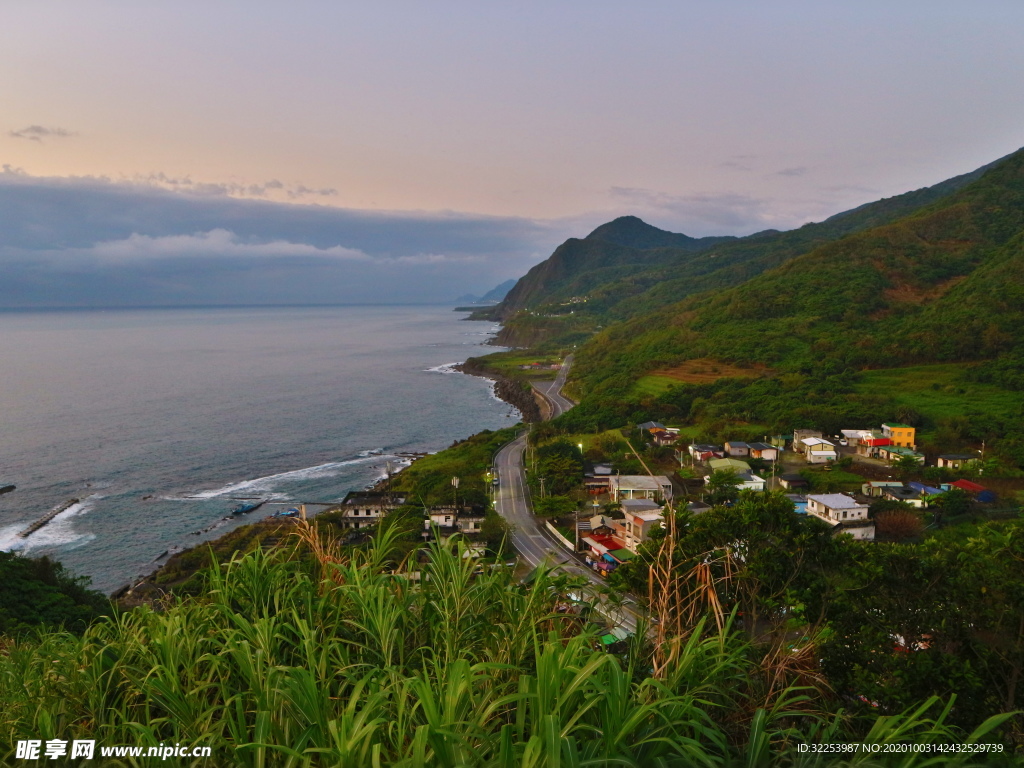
(361, 509)
(844, 512)
(640, 487)
(642, 516)
(818, 450)
(745, 481)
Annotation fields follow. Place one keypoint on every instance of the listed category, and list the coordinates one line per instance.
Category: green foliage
(953, 503)
(39, 592)
(560, 463)
(722, 487)
(347, 662)
(428, 481)
(553, 506)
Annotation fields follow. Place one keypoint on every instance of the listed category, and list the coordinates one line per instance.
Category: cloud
(101, 242)
(39, 132)
(797, 171)
(217, 243)
(267, 189)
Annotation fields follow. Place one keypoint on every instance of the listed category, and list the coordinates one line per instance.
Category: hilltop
(627, 268)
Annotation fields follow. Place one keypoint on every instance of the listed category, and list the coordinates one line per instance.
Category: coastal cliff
(518, 394)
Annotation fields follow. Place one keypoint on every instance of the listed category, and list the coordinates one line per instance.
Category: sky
(196, 152)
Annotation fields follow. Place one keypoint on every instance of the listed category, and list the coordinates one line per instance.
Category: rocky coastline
(519, 394)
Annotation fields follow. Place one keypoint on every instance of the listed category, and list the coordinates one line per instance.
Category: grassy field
(939, 391)
(699, 371)
(654, 385)
(507, 364)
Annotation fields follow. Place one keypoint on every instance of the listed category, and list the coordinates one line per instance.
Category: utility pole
(455, 493)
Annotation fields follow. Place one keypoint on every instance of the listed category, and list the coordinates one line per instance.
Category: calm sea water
(160, 421)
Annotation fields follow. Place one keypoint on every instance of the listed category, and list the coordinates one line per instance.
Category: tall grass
(327, 660)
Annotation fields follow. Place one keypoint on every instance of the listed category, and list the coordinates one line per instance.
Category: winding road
(512, 502)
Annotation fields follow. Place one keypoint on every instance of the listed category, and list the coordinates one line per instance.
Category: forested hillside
(938, 285)
(627, 268)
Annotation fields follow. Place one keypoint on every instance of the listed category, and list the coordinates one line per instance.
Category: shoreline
(521, 397)
(517, 394)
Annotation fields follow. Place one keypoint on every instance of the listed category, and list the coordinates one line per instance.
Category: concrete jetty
(47, 518)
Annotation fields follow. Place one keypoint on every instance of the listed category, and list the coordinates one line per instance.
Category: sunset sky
(543, 118)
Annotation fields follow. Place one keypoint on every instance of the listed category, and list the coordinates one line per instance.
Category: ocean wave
(265, 485)
(59, 532)
(445, 368)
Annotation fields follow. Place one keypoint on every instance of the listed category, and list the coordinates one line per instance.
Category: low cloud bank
(94, 242)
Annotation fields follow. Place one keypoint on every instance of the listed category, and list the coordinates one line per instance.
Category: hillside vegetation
(626, 267)
(345, 660)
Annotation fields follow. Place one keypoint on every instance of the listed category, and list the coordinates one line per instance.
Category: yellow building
(901, 435)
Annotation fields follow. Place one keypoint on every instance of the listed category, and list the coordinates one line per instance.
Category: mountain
(627, 268)
(613, 251)
(498, 293)
(943, 283)
(633, 232)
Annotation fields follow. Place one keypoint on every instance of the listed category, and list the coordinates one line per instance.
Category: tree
(722, 487)
(899, 524)
(952, 503)
(906, 466)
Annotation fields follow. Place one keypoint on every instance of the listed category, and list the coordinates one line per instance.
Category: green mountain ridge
(942, 284)
(651, 268)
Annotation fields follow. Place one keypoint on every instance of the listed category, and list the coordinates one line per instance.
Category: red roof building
(967, 485)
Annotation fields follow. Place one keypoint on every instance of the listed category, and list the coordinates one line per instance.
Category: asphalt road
(512, 501)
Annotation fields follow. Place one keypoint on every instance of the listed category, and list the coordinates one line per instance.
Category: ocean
(162, 421)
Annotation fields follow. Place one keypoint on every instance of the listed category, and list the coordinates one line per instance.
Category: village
(615, 514)
(623, 511)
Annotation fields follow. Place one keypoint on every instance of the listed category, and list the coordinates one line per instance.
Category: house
(750, 482)
(745, 480)
(902, 435)
(597, 481)
(704, 452)
(818, 451)
(792, 480)
(781, 441)
(870, 444)
(925, 490)
(836, 507)
(605, 553)
(799, 435)
(697, 507)
(979, 492)
(449, 520)
(641, 517)
(893, 453)
(876, 488)
(763, 451)
(905, 494)
(736, 449)
(360, 509)
(649, 425)
(640, 487)
(727, 465)
(854, 436)
(844, 513)
(799, 503)
(664, 436)
(955, 460)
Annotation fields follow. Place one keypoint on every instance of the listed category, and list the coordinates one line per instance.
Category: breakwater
(46, 518)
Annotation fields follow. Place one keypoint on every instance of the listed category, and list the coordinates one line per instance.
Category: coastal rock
(518, 394)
